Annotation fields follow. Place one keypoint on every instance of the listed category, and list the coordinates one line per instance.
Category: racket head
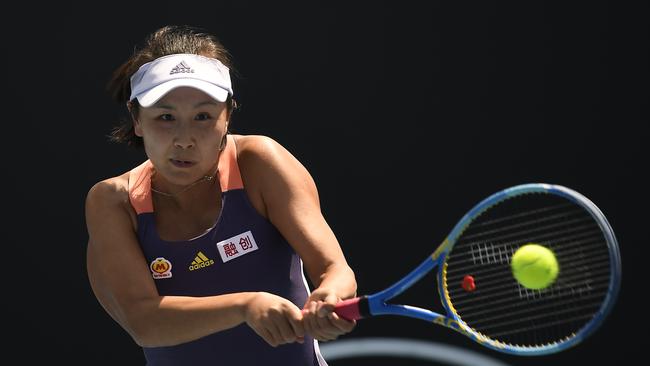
(501, 314)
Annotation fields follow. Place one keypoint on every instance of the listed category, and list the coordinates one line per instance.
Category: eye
(166, 117)
(203, 117)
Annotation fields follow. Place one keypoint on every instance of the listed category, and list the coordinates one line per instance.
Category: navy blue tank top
(242, 252)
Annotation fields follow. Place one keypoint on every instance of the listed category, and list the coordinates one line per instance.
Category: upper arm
(291, 202)
(117, 269)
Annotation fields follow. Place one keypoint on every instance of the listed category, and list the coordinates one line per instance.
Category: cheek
(211, 136)
(152, 149)
(155, 142)
(210, 142)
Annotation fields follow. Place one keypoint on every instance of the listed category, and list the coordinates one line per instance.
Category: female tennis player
(198, 252)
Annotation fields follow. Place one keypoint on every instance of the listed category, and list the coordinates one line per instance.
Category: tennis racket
(479, 294)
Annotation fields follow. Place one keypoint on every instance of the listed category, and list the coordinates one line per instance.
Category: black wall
(406, 114)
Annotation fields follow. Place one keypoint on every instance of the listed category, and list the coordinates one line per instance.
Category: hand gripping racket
(481, 298)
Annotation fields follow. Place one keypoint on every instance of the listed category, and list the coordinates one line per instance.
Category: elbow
(147, 332)
(140, 329)
(146, 335)
(141, 334)
(141, 326)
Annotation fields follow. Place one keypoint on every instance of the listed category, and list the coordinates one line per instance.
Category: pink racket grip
(353, 309)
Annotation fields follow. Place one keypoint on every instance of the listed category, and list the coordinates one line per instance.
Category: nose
(183, 144)
(183, 138)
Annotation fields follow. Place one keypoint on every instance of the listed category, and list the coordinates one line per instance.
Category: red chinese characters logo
(236, 246)
(230, 249)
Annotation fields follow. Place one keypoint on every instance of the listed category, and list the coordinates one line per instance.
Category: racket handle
(353, 309)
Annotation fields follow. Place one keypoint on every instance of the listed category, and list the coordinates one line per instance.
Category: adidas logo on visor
(181, 68)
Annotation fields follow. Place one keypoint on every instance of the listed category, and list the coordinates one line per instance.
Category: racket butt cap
(353, 309)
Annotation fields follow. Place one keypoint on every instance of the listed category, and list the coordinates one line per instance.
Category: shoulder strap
(229, 175)
(140, 187)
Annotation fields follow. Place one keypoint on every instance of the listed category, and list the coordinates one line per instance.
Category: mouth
(182, 163)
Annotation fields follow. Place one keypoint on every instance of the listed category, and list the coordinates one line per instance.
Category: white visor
(156, 78)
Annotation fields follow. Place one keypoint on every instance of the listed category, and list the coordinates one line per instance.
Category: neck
(205, 178)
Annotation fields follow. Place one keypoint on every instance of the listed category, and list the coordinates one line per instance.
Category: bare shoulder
(270, 172)
(110, 190)
(260, 155)
(108, 196)
(258, 146)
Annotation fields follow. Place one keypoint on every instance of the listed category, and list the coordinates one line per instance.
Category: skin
(188, 125)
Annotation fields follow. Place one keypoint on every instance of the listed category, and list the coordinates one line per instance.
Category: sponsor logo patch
(161, 268)
(236, 246)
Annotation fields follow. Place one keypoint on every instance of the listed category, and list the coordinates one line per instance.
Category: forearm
(171, 320)
(340, 279)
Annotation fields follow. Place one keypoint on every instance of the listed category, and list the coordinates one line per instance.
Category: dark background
(406, 114)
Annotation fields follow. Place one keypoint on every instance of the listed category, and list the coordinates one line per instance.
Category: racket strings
(490, 253)
(491, 274)
(525, 315)
(533, 297)
(531, 300)
(531, 212)
(499, 306)
(534, 222)
(492, 290)
(479, 268)
(492, 279)
(534, 229)
(582, 318)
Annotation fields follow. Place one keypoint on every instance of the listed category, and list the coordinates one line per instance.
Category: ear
(137, 127)
(224, 142)
(232, 108)
(224, 139)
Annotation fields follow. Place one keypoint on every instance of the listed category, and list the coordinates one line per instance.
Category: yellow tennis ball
(534, 266)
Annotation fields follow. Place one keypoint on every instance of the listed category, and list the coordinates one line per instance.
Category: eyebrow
(165, 106)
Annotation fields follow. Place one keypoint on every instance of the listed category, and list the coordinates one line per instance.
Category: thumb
(326, 307)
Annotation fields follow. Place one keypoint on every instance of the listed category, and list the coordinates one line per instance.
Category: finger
(327, 306)
(297, 325)
(287, 335)
(313, 305)
(282, 325)
(331, 300)
(267, 336)
(306, 322)
(281, 333)
(341, 324)
(326, 329)
(294, 322)
(310, 320)
(311, 325)
(324, 309)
